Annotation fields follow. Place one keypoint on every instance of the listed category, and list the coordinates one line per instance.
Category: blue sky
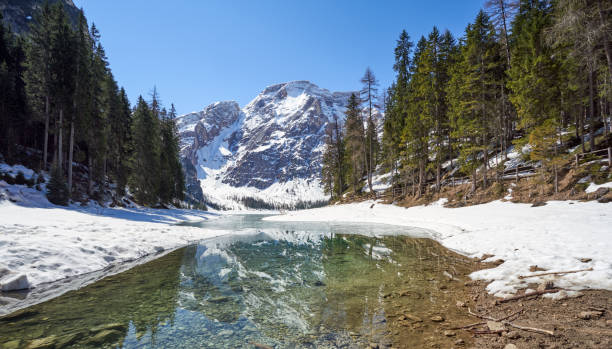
(201, 51)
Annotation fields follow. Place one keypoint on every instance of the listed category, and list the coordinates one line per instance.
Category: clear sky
(200, 51)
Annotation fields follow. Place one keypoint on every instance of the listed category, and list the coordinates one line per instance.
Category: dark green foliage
(539, 69)
(58, 94)
(57, 189)
(144, 181)
(355, 151)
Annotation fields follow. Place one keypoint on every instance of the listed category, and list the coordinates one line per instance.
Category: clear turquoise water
(276, 285)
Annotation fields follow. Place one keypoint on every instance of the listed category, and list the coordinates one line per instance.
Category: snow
(49, 243)
(554, 237)
(593, 187)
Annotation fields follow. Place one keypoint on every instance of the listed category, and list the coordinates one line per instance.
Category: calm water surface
(273, 285)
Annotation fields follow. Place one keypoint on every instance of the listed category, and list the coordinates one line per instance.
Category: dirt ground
(581, 322)
(584, 321)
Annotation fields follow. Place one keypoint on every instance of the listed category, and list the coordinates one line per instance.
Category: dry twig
(554, 273)
(508, 323)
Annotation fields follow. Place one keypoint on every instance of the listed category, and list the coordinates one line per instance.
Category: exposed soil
(584, 321)
(581, 322)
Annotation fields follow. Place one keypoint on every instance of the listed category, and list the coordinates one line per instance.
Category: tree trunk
(59, 139)
(438, 171)
(70, 154)
(592, 109)
(46, 144)
(581, 122)
(503, 13)
(90, 172)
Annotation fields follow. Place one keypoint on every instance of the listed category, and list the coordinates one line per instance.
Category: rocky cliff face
(19, 13)
(266, 154)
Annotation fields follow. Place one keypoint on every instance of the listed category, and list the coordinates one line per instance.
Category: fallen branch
(508, 323)
(493, 319)
(534, 293)
(487, 332)
(529, 329)
(468, 326)
(554, 273)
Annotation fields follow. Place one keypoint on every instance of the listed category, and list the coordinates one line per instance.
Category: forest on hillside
(528, 74)
(62, 111)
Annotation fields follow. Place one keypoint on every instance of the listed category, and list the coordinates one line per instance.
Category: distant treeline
(260, 204)
(531, 72)
(58, 96)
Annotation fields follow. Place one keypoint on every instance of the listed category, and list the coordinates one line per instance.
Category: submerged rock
(42, 343)
(14, 344)
(105, 336)
(110, 326)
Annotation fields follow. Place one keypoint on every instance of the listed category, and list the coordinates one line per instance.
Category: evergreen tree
(418, 118)
(355, 143)
(13, 115)
(333, 169)
(143, 180)
(368, 98)
(38, 72)
(534, 76)
(63, 68)
(57, 190)
(472, 95)
(395, 105)
(171, 174)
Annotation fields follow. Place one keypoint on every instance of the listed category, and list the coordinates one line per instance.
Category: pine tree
(62, 69)
(418, 120)
(172, 181)
(38, 72)
(57, 190)
(13, 116)
(355, 143)
(393, 124)
(334, 162)
(472, 96)
(144, 181)
(368, 98)
(534, 76)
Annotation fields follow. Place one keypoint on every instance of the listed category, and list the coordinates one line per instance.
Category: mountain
(19, 13)
(265, 155)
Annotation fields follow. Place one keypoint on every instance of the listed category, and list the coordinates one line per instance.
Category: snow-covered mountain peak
(267, 152)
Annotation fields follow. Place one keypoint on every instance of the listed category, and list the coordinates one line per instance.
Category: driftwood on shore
(508, 323)
(554, 273)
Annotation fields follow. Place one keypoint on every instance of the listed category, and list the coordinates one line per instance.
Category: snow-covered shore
(554, 237)
(48, 243)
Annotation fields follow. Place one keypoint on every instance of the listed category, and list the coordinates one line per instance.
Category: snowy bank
(554, 237)
(49, 243)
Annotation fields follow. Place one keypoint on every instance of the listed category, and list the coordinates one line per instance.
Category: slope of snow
(554, 237)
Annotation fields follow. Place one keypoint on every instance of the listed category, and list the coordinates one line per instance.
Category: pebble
(588, 315)
(459, 342)
(513, 335)
(436, 318)
(460, 304)
(495, 326)
(448, 333)
(510, 346)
